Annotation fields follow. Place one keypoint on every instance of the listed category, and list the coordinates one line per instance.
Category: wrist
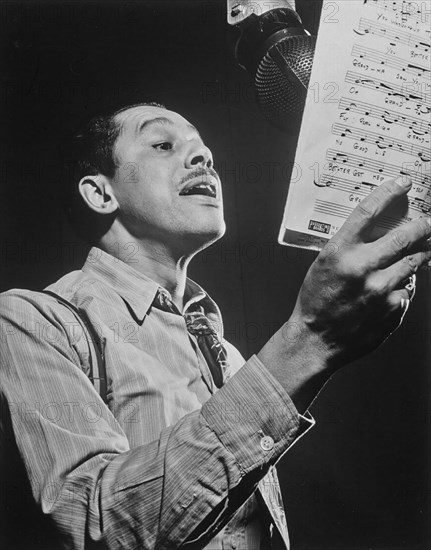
(299, 360)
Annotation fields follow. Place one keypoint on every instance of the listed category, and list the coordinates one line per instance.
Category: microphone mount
(260, 33)
(277, 51)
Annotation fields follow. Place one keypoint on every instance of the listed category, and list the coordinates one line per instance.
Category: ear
(98, 194)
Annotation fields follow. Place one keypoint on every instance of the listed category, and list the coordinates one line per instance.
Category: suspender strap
(97, 373)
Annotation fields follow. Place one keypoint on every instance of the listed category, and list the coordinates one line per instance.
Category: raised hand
(355, 294)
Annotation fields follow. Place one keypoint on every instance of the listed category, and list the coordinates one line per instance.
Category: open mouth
(200, 188)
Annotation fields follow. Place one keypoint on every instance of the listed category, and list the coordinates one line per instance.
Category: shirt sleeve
(175, 492)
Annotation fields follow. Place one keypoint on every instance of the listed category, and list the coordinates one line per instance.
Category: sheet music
(367, 118)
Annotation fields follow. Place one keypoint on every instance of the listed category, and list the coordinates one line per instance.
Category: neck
(154, 261)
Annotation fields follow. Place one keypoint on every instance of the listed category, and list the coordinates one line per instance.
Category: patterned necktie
(208, 340)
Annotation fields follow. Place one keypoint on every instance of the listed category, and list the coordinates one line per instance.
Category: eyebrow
(160, 121)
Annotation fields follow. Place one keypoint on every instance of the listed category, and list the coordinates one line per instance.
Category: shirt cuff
(254, 417)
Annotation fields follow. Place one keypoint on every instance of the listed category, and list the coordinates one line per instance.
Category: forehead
(137, 119)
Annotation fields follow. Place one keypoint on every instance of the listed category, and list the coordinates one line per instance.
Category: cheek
(151, 205)
(128, 175)
(138, 187)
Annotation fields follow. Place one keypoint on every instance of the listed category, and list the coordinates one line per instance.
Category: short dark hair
(92, 152)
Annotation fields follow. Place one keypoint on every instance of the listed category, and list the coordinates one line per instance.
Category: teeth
(208, 188)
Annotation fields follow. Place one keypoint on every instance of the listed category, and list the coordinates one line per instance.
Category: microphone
(278, 52)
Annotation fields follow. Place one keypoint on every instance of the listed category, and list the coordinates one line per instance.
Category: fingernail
(404, 181)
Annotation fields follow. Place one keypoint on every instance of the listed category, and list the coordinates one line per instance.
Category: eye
(164, 146)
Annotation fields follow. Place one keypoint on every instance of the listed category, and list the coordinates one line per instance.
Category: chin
(206, 237)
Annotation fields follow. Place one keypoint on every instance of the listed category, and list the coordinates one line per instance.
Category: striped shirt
(169, 460)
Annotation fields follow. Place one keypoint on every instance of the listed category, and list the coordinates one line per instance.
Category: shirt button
(267, 443)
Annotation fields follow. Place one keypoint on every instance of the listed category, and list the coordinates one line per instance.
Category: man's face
(167, 191)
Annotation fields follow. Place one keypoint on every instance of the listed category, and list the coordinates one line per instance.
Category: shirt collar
(139, 291)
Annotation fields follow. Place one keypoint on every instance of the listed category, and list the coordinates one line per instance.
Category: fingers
(399, 301)
(410, 238)
(395, 276)
(373, 205)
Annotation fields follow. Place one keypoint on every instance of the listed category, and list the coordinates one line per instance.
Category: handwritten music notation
(408, 92)
(377, 166)
(377, 127)
(384, 60)
(382, 142)
(416, 125)
(367, 26)
(408, 11)
(362, 188)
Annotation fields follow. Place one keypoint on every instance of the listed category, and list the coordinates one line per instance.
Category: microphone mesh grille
(279, 92)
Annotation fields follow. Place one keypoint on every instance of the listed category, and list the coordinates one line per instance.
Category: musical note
(323, 182)
(388, 61)
(390, 119)
(417, 68)
(386, 169)
(409, 11)
(380, 126)
(370, 185)
(383, 142)
(425, 156)
(420, 205)
(345, 185)
(384, 86)
(423, 109)
(337, 155)
(418, 126)
(367, 26)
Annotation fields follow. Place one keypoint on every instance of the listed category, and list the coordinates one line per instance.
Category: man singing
(172, 443)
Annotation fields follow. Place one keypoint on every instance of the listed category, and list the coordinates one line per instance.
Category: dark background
(360, 479)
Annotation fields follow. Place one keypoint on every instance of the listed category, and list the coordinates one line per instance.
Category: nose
(199, 155)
